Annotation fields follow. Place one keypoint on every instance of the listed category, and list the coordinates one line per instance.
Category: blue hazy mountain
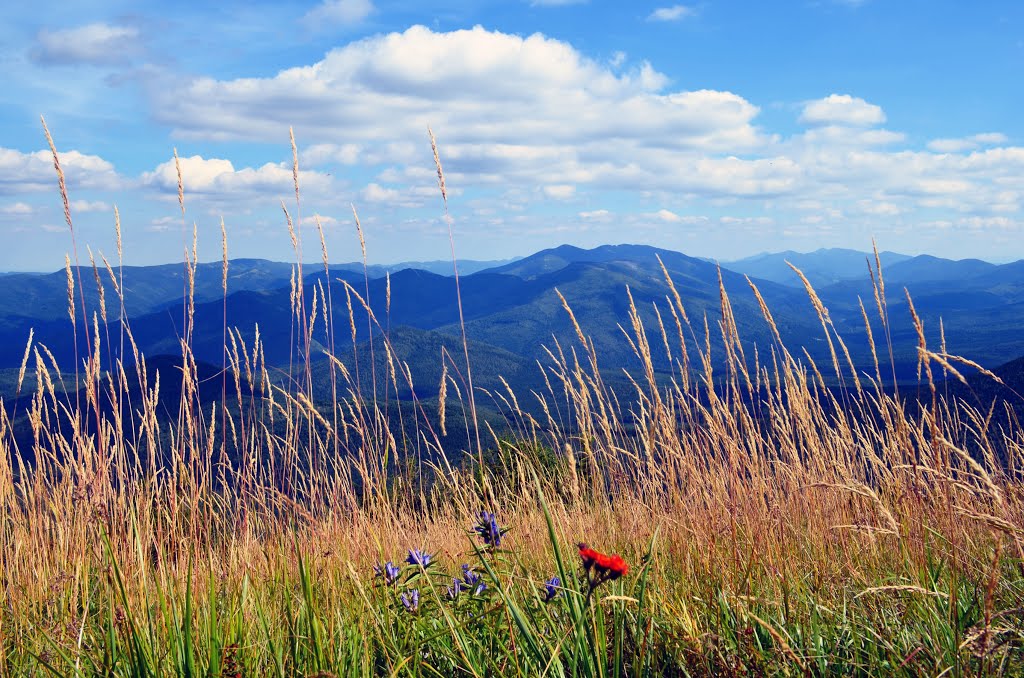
(822, 267)
(512, 311)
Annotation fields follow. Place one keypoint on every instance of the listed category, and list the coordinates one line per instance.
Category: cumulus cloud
(217, 177)
(673, 13)
(990, 138)
(534, 114)
(89, 206)
(478, 86)
(405, 196)
(31, 172)
(842, 109)
(970, 143)
(17, 209)
(509, 111)
(95, 44)
(338, 13)
(667, 216)
(883, 183)
(844, 135)
(374, 192)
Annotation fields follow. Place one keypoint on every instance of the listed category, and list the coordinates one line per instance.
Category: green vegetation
(770, 525)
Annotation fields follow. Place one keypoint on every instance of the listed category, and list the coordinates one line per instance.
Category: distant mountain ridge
(550, 260)
(822, 267)
(512, 310)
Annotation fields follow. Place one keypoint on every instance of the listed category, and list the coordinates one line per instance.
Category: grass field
(776, 517)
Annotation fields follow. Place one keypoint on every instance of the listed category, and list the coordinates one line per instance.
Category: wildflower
(468, 575)
(487, 528)
(454, 589)
(551, 587)
(419, 557)
(616, 567)
(411, 601)
(605, 567)
(473, 580)
(388, 572)
(589, 556)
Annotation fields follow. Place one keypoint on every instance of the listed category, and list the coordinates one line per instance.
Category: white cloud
(17, 209)
(325, 221)
(95, 43)
(320, 154)
(596, 215)
(987, 138)
(338, 13)
(473, 86)
(880, 208)
(164, 224)
(842, 109)
(218, 178)
(89, 206)
(940, 186)
(508, 111)
(951, 145)
(374, 192)
(989, 223)
(534, 114)
(843, 135)
(560, 191)
(667, 216)
(31, 172)
(404, 196)
(746, 221)
(673, 13)
(970, 143)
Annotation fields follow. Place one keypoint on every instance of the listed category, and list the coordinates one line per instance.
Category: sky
(717, 128)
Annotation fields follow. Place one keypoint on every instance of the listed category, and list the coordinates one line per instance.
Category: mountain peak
(556, 258)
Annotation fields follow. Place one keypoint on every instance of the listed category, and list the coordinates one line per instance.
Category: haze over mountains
(512, 309)
(822, 267)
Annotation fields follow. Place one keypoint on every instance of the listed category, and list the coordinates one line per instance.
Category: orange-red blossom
(605, 566)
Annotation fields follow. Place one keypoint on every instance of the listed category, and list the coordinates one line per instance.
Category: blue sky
(719, 129)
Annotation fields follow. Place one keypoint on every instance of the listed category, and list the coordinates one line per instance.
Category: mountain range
(513, 313)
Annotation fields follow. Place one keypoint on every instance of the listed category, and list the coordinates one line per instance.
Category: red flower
(605, 566)
(616, 567)
(590, 556)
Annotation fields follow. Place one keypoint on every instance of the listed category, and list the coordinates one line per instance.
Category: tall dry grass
(790, 518)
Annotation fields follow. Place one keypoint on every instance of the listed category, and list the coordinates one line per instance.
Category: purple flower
(487, 528)
(411, 601)
(454, 589)
(472, 580)
(469, 576)
(419, 557)
(551, 587)
(388, 572)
